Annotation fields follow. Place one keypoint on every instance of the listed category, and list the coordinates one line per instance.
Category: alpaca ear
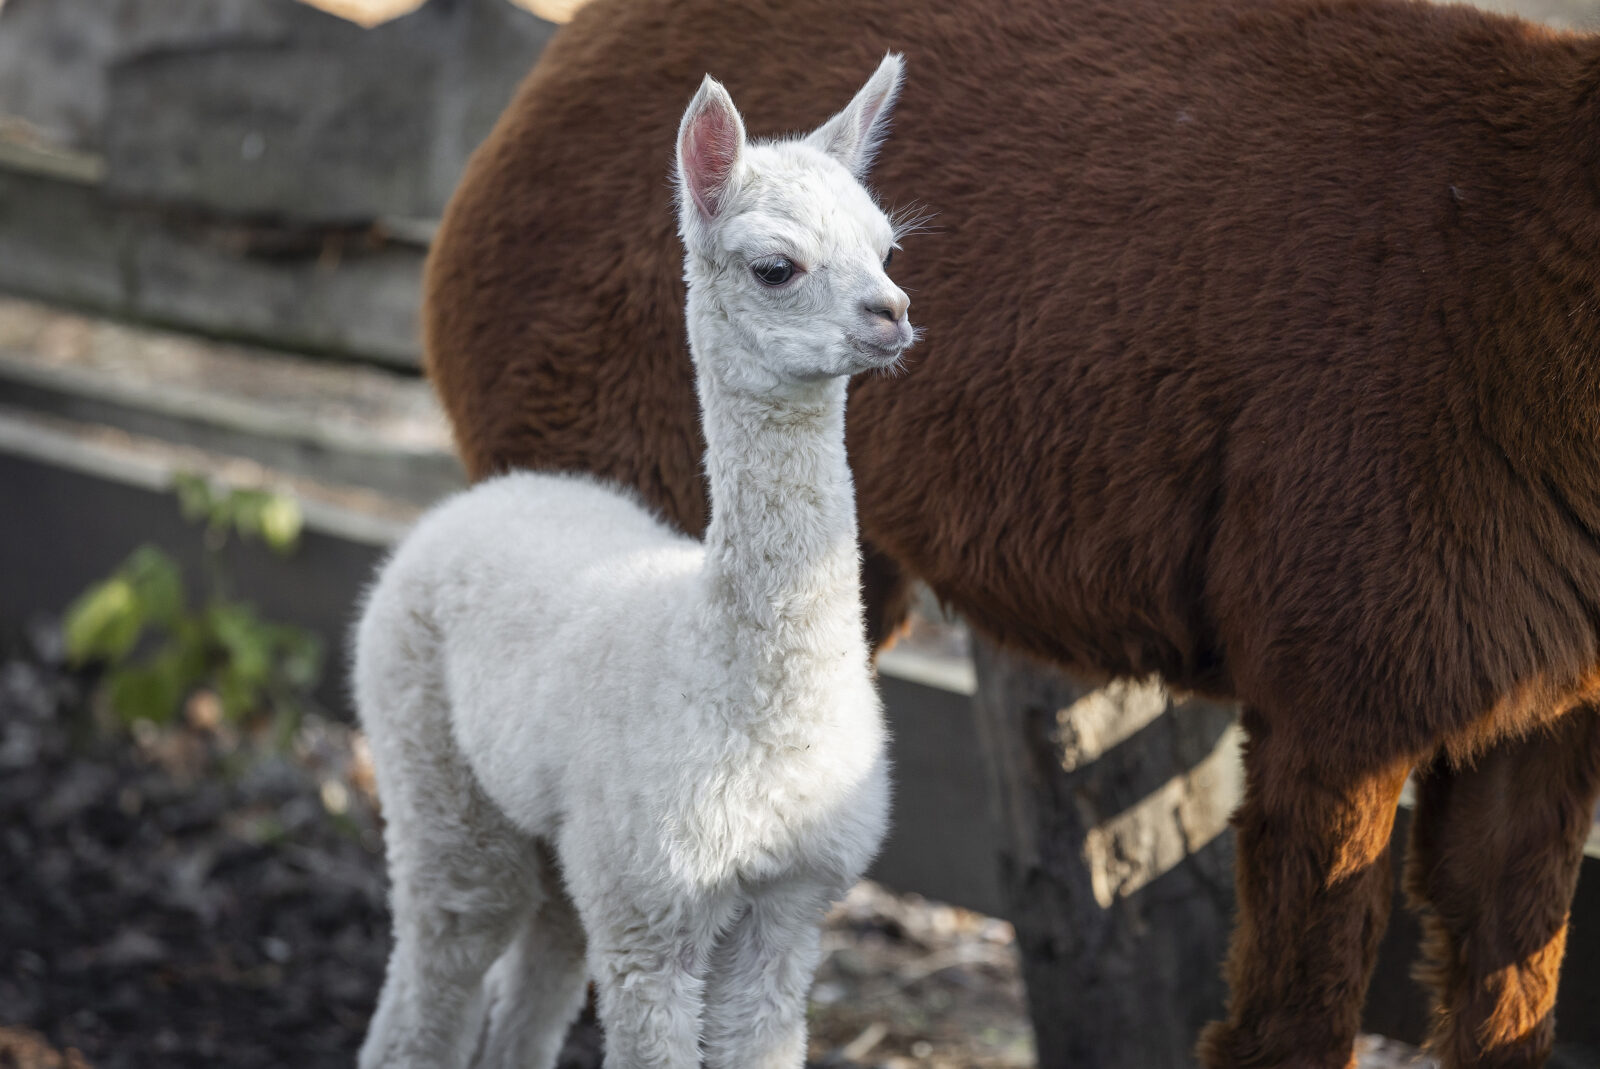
(852, 136)
(710, 144)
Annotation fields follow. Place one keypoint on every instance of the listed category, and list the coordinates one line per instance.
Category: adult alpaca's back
(1262, 355)
(1202, 226)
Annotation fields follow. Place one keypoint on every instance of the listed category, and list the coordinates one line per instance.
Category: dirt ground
(193, 897)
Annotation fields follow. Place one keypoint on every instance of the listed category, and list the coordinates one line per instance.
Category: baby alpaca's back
(499, 602)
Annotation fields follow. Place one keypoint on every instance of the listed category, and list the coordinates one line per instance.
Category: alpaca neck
(782, 568)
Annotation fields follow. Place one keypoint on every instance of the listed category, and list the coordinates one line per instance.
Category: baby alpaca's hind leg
(448, 930)
(456, 904)
(461, 879)
(648, 956)
(536, 988)
(760, 975)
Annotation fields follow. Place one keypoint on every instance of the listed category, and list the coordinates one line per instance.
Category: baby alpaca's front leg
(761, 973)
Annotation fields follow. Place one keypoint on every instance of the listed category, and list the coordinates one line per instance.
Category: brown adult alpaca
(1262, 345)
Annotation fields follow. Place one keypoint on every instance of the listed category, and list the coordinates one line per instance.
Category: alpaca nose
(890, 306)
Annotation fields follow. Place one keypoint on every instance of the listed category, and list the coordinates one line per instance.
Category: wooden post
(1116, 859)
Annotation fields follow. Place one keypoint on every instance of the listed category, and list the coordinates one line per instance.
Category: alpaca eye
(888, 259)
(773, 272)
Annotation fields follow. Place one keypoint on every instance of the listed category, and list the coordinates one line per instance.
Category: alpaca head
(787, 254)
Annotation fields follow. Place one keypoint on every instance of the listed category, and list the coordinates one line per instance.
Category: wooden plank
(267, 108)
(54, 54)
(349, 291)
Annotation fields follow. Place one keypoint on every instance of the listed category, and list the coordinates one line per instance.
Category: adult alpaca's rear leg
(461, 878)
(1495, 851)
(536, 987)
(1314, 887)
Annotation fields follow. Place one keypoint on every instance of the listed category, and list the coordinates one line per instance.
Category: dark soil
(176, 901)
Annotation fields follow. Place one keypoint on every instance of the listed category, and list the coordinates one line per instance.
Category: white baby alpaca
(609, 751)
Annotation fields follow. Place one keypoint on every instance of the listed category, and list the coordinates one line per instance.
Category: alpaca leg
(451, 920)
(1495, 850)
(536, 988)
(461, 878)
(761, 972)
(649, 969)
(1314, 887)
(885, 597)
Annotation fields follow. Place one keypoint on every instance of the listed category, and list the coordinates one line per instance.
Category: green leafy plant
(158, 649)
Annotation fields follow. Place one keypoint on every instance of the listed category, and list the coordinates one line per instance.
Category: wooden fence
(253, 169)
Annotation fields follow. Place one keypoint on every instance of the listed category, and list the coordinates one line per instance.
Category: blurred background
(213, 218)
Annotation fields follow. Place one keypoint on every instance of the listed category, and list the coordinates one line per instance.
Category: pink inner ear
(710, 148)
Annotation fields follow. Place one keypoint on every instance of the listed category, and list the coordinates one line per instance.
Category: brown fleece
(1261, 353)
(1494, 858)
